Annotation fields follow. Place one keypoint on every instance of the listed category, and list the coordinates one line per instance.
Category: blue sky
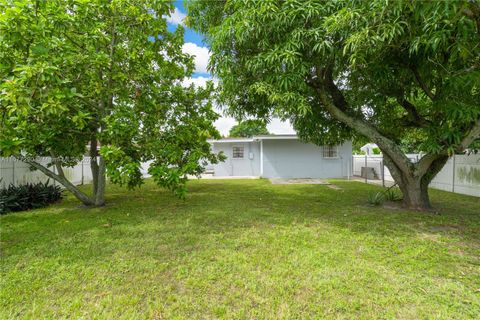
(190, 35)
(193, 41)
(195, 46)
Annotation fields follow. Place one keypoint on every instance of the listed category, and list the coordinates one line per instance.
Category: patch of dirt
(443, 228)
(334, 187)
(391, 205)
(299, 181)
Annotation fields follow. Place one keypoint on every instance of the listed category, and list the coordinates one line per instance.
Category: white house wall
(248, 166)
(295, 159)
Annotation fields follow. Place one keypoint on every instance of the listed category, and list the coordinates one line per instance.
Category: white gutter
(278, 137)
(230, 140)
(253, 139)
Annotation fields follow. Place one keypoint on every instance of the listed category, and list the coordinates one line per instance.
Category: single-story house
(281, 156)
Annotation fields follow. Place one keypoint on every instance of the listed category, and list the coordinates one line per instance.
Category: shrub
(375, 199)
(28, 196)
(392, 195)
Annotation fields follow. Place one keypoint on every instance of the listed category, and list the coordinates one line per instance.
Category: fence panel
(461, 173)
(467, 175)
(16, 172)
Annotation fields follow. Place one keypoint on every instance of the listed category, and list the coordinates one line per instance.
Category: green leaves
(78, 71)
(40, 49)
(272, 59)
(249, 128)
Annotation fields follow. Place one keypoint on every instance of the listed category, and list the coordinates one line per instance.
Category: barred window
(237, 152)
(330, 152)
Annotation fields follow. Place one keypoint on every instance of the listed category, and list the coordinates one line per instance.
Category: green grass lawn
(242, 249)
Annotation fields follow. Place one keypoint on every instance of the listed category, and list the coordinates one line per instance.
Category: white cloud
(201, 56)
(199, 81)
(224, 123)
(276, 126)
(176, 17)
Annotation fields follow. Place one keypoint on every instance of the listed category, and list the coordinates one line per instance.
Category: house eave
(255, 139)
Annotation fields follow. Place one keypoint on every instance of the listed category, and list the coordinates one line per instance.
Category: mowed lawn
(243, 249)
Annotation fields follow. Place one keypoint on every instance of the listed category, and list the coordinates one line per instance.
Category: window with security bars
(330, 152)
(237, 152)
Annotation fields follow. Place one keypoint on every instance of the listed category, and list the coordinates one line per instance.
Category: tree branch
(412, 111)
(60, 179)
(422, 84)
(325, 84)
(58, 165)
(427, 160)
(473, 135)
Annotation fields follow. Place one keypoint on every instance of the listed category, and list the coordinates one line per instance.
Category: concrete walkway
(377, 182)
(299, 181)
(212, 177)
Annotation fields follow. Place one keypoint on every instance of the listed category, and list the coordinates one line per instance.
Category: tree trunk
(412, 178)
(97, 164)
(93, 163)
(101, 183)
(98, 174)
(60, 178)
(415, 194)
(414, 183)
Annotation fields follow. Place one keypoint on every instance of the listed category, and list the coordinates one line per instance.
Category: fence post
(352, 166)
(453, 173)
(13, 171)
(54, 169)
(82, 168)
(382, 172)
(365, 171)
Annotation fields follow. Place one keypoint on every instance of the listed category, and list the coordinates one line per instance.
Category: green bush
(392, 195)
(375, 199)
(376, 151)
(28, 196)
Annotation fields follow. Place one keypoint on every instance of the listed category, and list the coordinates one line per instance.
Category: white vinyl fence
(13, 171)
(461, 174)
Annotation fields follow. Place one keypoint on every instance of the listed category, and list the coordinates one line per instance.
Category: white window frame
(334, 148)
(243, 152)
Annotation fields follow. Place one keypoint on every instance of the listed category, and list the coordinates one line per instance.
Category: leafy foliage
(107, 72)
(28, 196)
(395, 72)
(269, 54)
(375, 198)
(376, 151)
(249, 128)
(392, 195)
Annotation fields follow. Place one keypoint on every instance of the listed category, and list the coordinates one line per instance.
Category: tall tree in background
(381, 69)
(249, 128)
(105, 74)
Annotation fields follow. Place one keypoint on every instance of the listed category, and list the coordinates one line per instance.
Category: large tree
(384, 70)
(104, 76)
(248, 128)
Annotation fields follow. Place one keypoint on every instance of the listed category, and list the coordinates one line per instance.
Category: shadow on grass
(215, 206)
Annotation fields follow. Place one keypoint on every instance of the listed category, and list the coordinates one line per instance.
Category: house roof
(257, 138)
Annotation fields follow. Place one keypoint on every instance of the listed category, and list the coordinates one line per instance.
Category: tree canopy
(107, 74)
(384, 70)
(249, 128)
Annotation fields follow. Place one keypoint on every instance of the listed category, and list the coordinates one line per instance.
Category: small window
(237, 152)
(330, 152)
